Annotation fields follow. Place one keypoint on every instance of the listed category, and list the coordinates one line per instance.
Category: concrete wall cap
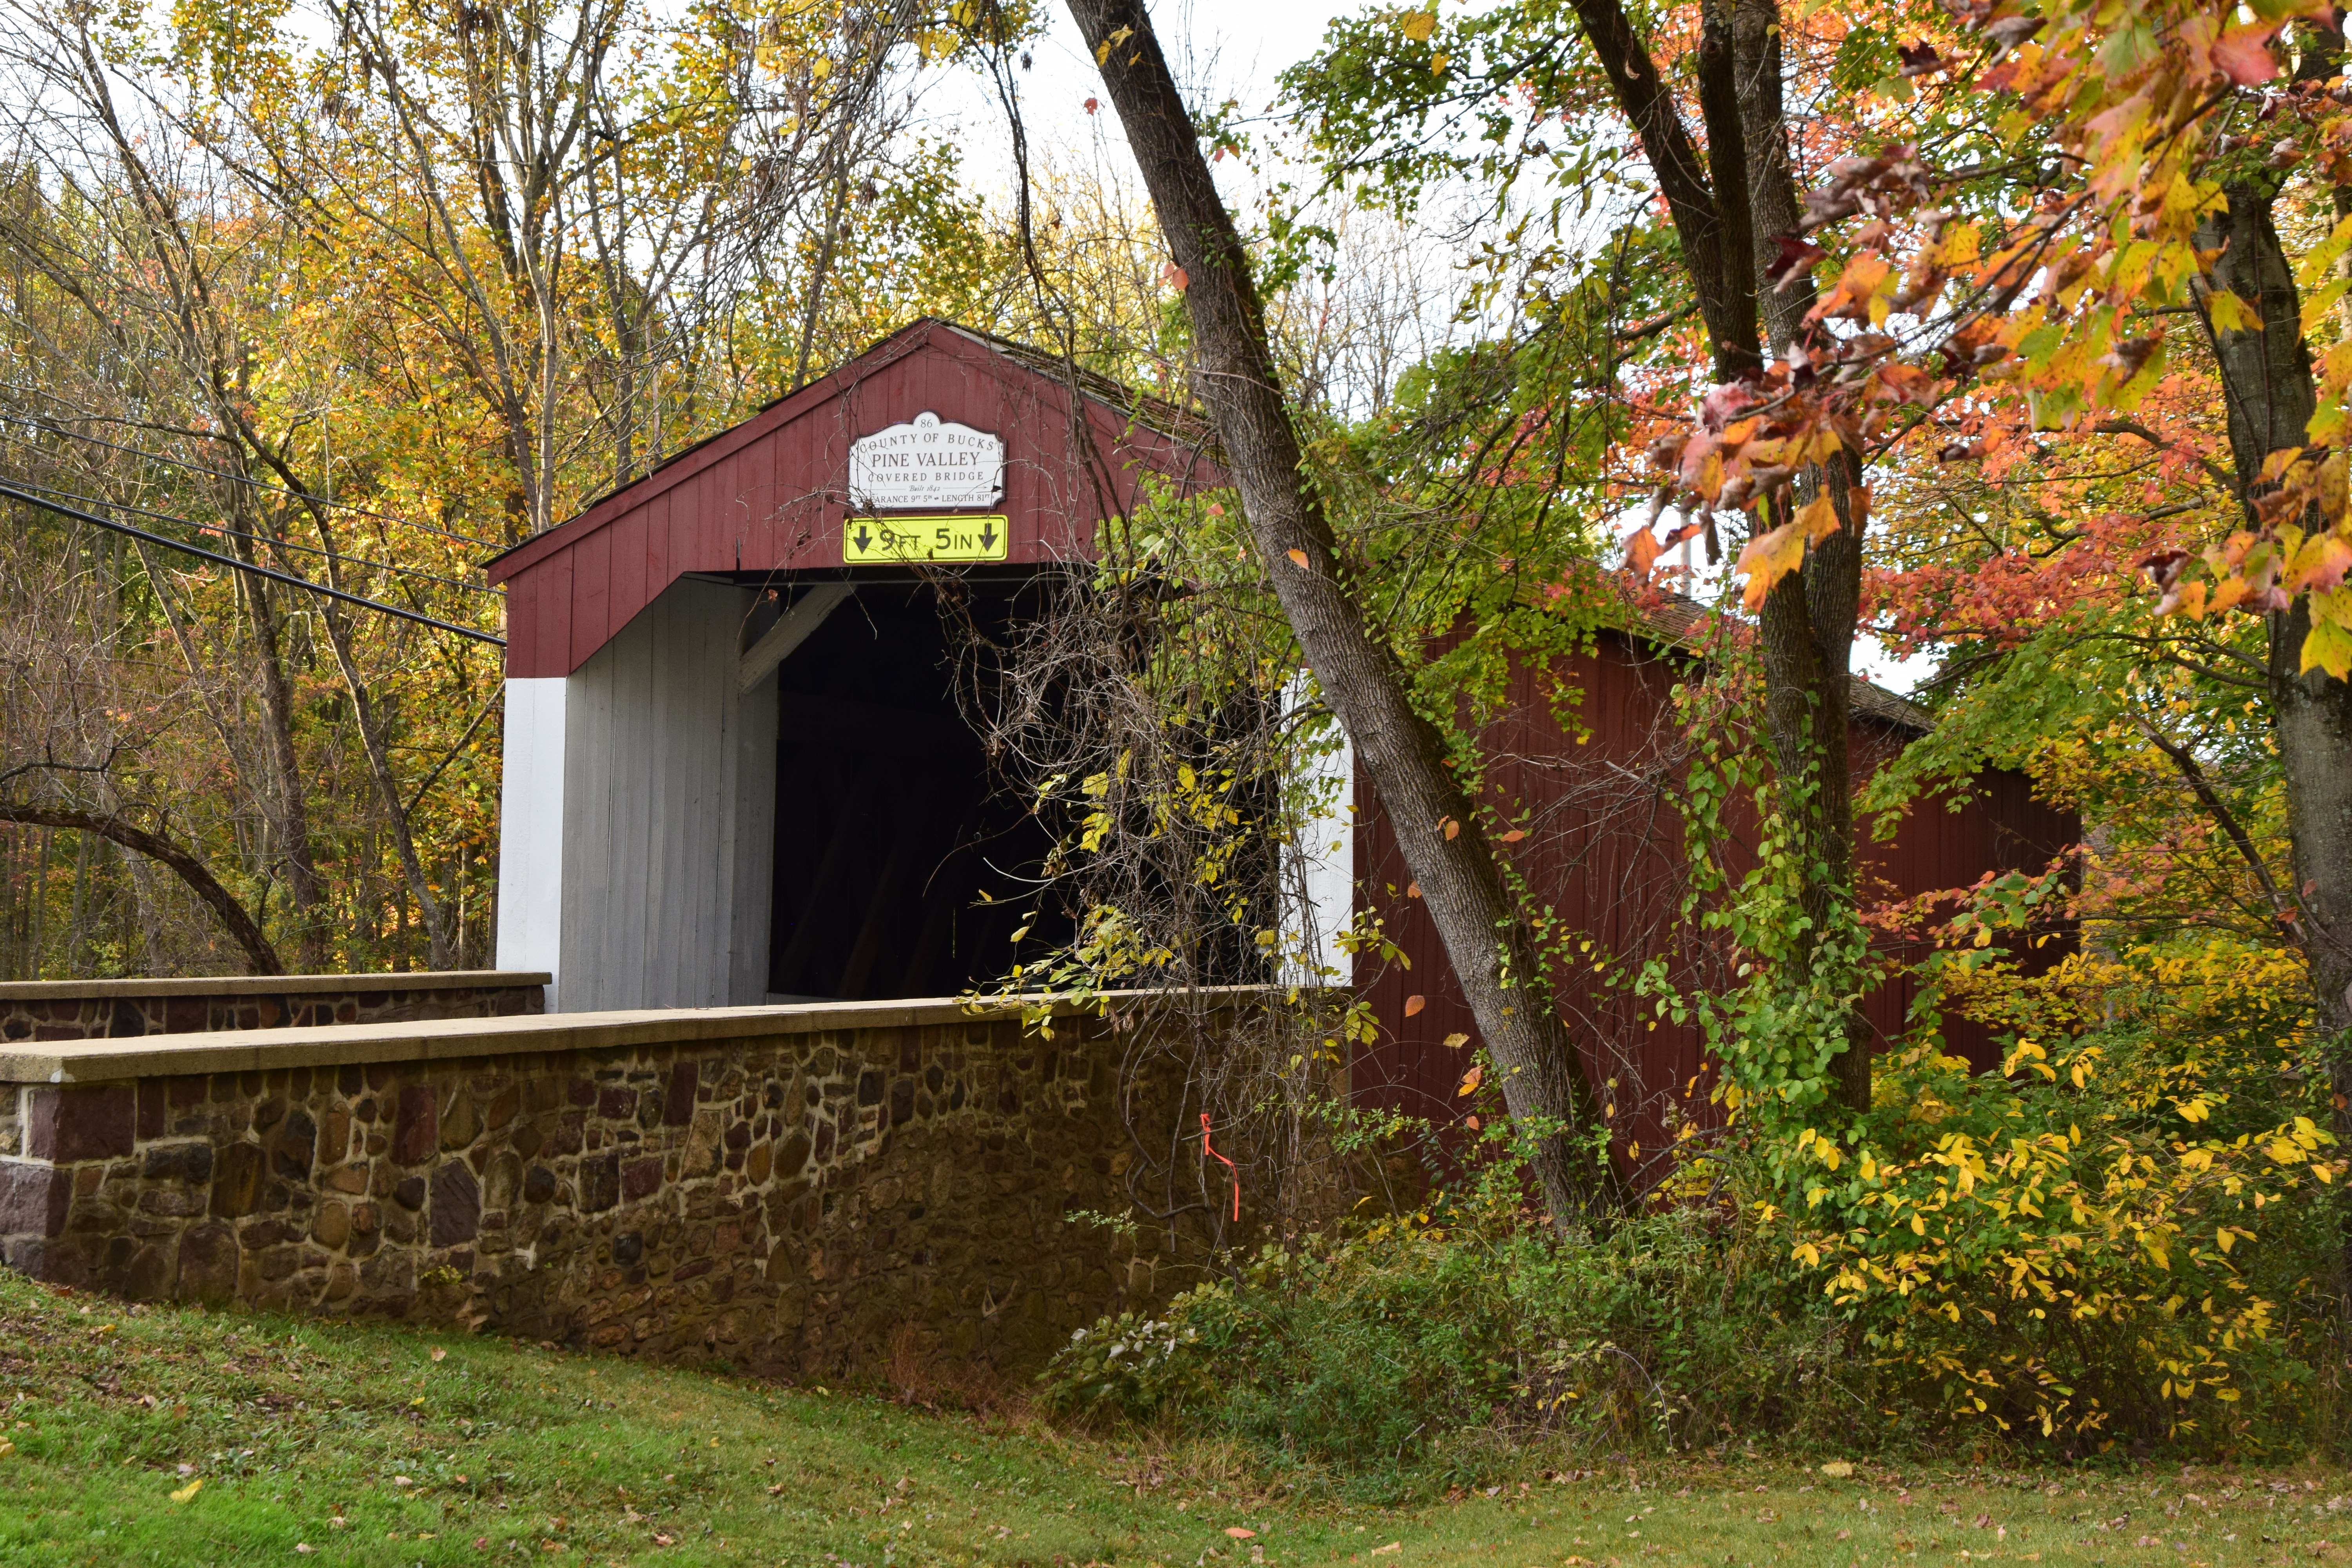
(448, 1040)
(273, 984)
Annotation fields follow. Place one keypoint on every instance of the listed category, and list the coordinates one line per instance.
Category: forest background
(1960, 323)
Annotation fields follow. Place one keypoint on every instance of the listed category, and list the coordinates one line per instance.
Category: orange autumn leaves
(2050, 314)
(1777, 552)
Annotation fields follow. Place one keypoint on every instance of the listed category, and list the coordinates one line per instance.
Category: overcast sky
(1233, 49)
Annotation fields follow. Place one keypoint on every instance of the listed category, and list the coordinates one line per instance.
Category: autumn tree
(352, 304)
(1487, 937)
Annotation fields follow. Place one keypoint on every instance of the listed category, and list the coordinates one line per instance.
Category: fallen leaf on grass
(189, 1491)
(1838, 1470)
(305, 1548)
(665, 1540)
(1392, 1546)
(440, 1355)
(1238, 1533)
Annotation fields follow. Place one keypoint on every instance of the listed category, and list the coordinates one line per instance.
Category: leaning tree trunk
(1492, 950)
(260, 958)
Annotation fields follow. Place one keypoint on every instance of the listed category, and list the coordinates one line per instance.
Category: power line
(280, 543)
(54, 428)
(234, 564)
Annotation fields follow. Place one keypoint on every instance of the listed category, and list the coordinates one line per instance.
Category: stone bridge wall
(787, 1188)
(47, 1010)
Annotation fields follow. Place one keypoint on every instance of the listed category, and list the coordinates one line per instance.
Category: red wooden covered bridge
(736, 770)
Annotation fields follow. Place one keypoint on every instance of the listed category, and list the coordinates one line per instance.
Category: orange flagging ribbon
(1209, 1154)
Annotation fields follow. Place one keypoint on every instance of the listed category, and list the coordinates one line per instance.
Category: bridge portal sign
(899, 540)
(925, 464)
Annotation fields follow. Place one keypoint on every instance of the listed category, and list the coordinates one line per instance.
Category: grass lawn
(320, 1443)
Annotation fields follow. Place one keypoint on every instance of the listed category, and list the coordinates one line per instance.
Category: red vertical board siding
(555, 615)
(591, 595)
(524, 617)
(1606, 858)
(756, 472)
(627, 574)
(661, 547)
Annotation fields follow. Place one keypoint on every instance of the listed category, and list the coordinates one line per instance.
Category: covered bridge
(736, 770)
(735, 767)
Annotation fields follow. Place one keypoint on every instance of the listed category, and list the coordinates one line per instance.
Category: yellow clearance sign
(888, 541)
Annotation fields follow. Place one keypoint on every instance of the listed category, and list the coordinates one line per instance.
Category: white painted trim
(531, 831)
(1320, 880)
(790, 630)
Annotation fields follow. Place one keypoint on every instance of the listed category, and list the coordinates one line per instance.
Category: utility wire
(234, 564)
(56, 428)
(270, 539)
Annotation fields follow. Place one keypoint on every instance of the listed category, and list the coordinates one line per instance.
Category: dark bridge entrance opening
(890, 825)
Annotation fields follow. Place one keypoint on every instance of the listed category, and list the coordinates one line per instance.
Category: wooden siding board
(591, 595)
(627, 588)
(553, 587)
(664, 938)
(523, 618)
(633, 827)
(1614, 873)
(661, 541)
(650, 857)
(587, 835)
(755, 737)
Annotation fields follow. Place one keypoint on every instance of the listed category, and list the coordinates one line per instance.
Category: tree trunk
(1728, 219)
(2267, 386)
(1806, 630)
(288, 812)
(395, 811)
(260, 958)
(1489, 943)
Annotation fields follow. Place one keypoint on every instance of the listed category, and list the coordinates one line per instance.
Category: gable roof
(769, 495)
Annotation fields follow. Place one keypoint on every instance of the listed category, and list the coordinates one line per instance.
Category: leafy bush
(1424, 1349)
(1134, 1365)
(2110, 1242)
(2106, 1239)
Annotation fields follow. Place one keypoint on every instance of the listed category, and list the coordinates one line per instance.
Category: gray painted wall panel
(754, 796)
(665, 866)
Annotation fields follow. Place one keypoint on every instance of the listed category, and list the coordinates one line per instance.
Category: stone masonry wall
(42, 1011)
(790, 1201)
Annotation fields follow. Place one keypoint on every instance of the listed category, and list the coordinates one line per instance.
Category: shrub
(1428, 1348)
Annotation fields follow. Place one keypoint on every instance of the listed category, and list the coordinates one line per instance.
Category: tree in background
(358, 296)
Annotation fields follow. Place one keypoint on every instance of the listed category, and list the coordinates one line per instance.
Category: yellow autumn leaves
(1420, 26)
